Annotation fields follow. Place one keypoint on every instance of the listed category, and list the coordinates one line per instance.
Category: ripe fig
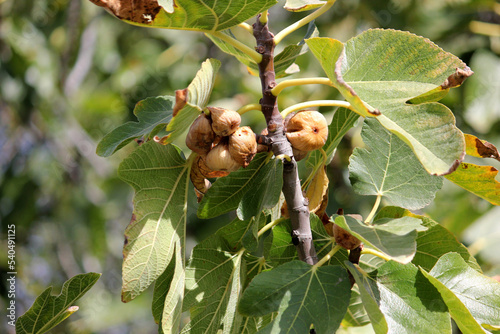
(242, 145)
(200, 136)
(207, 172)
(307, 130)
(344, 238)
(220, 159)
(224, 122)
(200, 183)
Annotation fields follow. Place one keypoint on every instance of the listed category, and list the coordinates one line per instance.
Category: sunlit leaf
(162, 285)
(302, 294)
(399, 299)
(160, 178)
(207, 15)
(214, 279)
(303, 5)
(380, 70)
(151, 113)
(479, 180)
(433, 242)
(472, 298)
(476, 147)
(191, 101)
(227, 192)
(48, 311)
(172, 308)
(393, 237)
(387, 167)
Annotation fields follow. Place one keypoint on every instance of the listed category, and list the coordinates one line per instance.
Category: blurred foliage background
(70, 73)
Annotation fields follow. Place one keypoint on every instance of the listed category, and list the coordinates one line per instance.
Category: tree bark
(297, 204)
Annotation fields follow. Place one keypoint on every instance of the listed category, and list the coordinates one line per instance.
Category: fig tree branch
(297, 205)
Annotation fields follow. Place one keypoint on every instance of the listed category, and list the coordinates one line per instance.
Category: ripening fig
(307, 130)
(242, 145)
(224, 122)
(220, 159)
(200, 136)
(207, 172)
(344, 238)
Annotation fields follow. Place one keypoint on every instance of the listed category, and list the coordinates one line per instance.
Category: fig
(207, 172)
(243, 146)
(219, 159)
(224, 122)
(307, 130)
(200, 136)
(344, 238)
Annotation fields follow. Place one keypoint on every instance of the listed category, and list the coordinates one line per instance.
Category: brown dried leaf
(181, 97)
(476, 147)
(457, 78)
(140, 11)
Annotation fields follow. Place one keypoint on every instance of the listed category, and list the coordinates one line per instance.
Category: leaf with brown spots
(199, 15)
(479, 180)
(478, 148)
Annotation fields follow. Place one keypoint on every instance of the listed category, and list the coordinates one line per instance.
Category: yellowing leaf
(479, 180)
(476, 147)
(317, 192)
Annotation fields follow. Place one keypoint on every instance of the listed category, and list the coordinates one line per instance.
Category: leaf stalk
(376, 253)
(299, 82)
(249, 107)
(374, 209)
(327, 257)
(316, 103)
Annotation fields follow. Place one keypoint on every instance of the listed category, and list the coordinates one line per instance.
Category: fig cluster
(306, 130)
(220, 141)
